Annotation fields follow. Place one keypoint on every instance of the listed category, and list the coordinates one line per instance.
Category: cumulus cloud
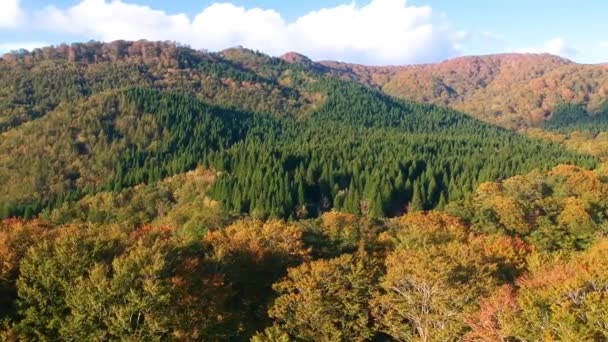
(384, 31)
(555, 46)
(381, 32)
(113, 20)
(11, 14)
(223, 24)
(558, 46)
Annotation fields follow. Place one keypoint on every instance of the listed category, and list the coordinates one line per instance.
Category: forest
(149, 192)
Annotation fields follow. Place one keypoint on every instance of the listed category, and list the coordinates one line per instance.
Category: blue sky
(368, 32)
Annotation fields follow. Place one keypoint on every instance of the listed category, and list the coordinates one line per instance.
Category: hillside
(33, 84)
(151, 192)
(511, 90)
(285, 141)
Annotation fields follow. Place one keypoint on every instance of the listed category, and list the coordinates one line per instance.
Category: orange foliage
(484, 323)
(511, 90)
(259, 240)
(432, 226)
(559, 300)
(146, 231)
(16, 236)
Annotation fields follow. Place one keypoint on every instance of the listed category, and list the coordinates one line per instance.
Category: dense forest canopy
(577, 128)
(152, 192)
(522, 258)
(323, 144)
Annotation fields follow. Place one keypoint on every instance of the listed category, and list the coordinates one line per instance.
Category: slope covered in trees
(34, 83)
(359, 151)
(569, 117)
(511, 90)
(152, 192)
(577, 129)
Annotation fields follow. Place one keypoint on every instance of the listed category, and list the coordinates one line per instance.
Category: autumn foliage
(167, 194)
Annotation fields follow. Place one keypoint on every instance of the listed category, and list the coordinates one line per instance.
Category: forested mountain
(510, 90)
(34, 83)
(151, 192)
(516, 91)
(323, 143)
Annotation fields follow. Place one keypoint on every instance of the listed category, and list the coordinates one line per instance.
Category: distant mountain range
(511, 90)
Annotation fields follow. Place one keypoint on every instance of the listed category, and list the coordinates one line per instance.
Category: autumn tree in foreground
(563, 209)
(327, 300)
(16, 236)
(436, 273)
(254, 254)
(560, 300)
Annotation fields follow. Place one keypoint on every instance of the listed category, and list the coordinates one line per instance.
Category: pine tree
(417, 203)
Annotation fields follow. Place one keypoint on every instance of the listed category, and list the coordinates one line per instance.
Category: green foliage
(114, 283)
(132, 299)
(47, 274)
(139, 158)
(376, 144)
(328, 143)
(569, 117)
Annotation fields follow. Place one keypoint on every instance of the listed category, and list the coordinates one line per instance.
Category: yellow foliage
(575, 213)
(430, 227)
(259, 239)
(327, 300)
(432, 280)
(340, 226)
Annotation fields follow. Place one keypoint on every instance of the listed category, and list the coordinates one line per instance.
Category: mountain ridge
(98, 117)
(512, 90)
(532, 85)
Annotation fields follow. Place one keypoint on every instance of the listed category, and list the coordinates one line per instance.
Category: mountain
(284, 139)
(511, 90)
(33, 84)
(153, 192)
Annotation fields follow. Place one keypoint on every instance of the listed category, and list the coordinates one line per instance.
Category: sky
(373, 32)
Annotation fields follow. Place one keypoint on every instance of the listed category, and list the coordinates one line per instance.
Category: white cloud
(384, 31)
(14, 46)
(11, 14)
(223, 25)
(604, 44)
(381, 32)
(113, 20)
(555, 46)
(558, 46)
